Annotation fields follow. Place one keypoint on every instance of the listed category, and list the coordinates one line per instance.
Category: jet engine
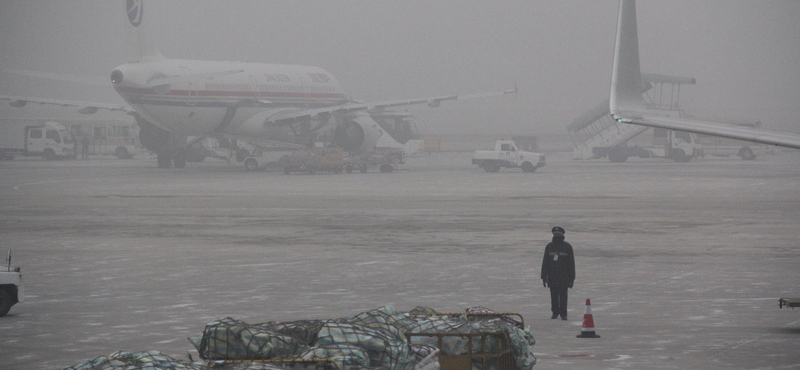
(357, 135)
(153, 138)
(168, 146)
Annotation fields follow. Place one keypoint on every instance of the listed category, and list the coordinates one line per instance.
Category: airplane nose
(116, 77)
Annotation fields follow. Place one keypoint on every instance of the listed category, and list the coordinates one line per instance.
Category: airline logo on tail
(134, 9)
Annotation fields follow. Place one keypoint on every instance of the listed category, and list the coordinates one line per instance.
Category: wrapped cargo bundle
(230, 339)
(121, 360)
(424, 320)
(253, 366)
(304, 331)
(371, 339)
(488, 315)
(345, 343)
(386, 348)
(345, 356)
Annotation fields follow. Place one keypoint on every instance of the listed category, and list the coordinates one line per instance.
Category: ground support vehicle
(680, 146)
(789, 302)
(11, 288)
(387, 160)
(312, 160)
(201, 148)
(506, 154)
(724, 147)
(117, 138)
(48, 139)
(258, 159)
(258, 155)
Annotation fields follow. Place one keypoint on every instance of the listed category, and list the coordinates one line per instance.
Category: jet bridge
(595, 133)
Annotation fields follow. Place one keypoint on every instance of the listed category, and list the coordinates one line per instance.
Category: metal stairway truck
(594, 134)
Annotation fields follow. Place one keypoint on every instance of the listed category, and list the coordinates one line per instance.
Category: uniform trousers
(558, 301)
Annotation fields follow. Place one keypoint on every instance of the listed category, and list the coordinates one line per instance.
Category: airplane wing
(784, 139)
(627, 105)
(280, 117)
(377, 107)
(86, 80)
(84, 107)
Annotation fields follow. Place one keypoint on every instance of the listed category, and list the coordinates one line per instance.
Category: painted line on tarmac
(17, 187)
(760, 337)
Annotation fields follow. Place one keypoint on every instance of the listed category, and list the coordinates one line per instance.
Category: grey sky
(744, 54)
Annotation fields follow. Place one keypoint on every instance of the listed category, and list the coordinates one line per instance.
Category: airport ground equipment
(106, 137)
(260, 154)
(313, 160)
(386, 159)
(680, 146)
(789, 302)
(595, 134)
(38, 138)
(11, 288)
(506, 154)
(716, 146)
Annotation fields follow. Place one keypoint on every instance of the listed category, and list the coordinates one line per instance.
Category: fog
(684, 262)
(744, 54)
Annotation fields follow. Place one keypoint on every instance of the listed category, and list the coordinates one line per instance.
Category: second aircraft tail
(148, 50)
(626, 77)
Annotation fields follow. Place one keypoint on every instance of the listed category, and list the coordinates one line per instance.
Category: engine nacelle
(153, 138)
(357, 135)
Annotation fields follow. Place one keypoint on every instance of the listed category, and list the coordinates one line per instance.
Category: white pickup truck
(10, 286)
(506, 154)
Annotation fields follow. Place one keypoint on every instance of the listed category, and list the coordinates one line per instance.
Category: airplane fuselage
(224, 96)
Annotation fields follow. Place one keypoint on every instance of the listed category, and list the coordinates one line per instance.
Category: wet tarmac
(683, 263)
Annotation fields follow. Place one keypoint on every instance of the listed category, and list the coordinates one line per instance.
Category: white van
(48, 139)
(118, 139)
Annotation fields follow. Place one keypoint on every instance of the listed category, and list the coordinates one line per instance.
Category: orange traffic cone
(587, 329)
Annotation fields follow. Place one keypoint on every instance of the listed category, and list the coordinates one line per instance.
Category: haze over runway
(684, 263)
(559, 53)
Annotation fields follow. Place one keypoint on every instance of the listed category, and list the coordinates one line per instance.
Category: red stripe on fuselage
(147, 92)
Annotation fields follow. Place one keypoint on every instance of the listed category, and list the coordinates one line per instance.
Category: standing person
(75, 147)
(85, 147)
(558, 272)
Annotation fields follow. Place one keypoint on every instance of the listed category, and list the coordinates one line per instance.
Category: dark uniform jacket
(558, 264)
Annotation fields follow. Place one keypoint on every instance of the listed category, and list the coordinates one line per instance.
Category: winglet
(626, 77)
(512, 91)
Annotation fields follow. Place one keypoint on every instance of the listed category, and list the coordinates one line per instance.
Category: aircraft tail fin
(626, 78)
(148, 50)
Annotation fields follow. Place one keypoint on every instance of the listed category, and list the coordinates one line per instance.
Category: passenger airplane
(286, 105)
(627, 105)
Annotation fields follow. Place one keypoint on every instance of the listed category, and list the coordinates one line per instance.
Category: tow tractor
(789, 302)
(10, 286)
(312, 160)
(387, 160)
